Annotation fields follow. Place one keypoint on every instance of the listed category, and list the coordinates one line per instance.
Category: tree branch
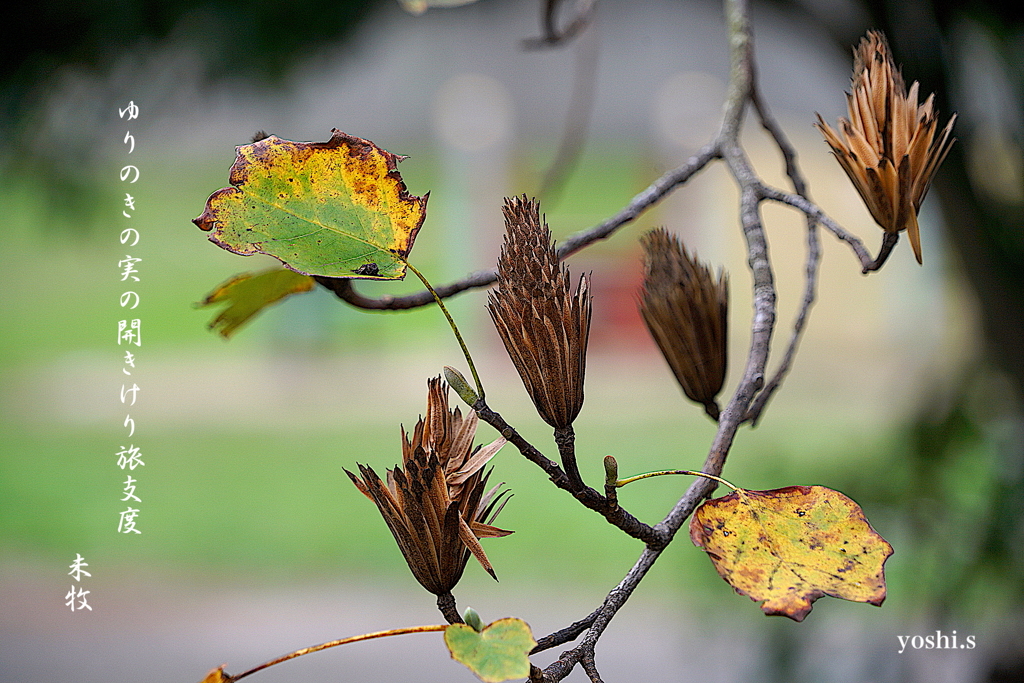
(726, 145)
(650, 196)
(588, 664)
(813, 254)
(752, 392)
(614, 513)
(565, 635)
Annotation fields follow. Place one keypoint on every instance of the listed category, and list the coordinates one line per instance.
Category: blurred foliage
(955, 482)
(249, 39)
(956, 474)
(260, 41)
(232, 39)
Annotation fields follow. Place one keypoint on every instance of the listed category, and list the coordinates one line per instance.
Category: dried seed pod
(543, 323)
(438, 506)
(889, 147)
(686, 311)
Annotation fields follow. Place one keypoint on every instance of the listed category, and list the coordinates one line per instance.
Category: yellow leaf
(790, 546)
(217, 676)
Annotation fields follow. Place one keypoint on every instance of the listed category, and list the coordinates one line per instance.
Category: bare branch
(812, 210)
(752, 192)
(810, 286)
(343, 288)
(769, 123)
(588, 664)
(813, 255)
(565, 635)
(650, 196)
(614, 513)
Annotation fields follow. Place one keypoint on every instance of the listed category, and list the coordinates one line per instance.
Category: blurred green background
(905, 394)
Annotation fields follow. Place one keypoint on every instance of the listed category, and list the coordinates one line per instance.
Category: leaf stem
(647, 475)
(451, 323)
(343, 641)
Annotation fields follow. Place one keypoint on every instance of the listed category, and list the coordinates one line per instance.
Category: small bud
(686, 311)
(458, 382)
(473, 620)
(611, 470)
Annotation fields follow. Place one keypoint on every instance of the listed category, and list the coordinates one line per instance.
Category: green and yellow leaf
(497, 653)
(790, 546)
(336, 209)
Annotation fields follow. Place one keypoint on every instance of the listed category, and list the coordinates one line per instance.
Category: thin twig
(751, 393)
(342, 287)
(565, 635)
(812, 210)
(812, 263)
(588, 664)
(647, 198)
(726, 145)
(810, 287)
(769, 123)
(614, 513)
(577, 121)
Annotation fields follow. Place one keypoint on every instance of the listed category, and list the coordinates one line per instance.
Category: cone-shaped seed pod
(543, 323)
(438, 506)
(686, 310)
(889, 147)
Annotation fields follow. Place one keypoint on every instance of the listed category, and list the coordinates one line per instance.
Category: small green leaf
(337, 208)
(248, 294)
(498, 653)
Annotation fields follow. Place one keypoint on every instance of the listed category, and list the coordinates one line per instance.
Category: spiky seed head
(686, 310)
(436, 503)
(891, 145)
(543, 323)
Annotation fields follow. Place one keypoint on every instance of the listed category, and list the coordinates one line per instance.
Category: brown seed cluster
(686, 310)
(543, 323)
(890, 147)
(437, 505)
